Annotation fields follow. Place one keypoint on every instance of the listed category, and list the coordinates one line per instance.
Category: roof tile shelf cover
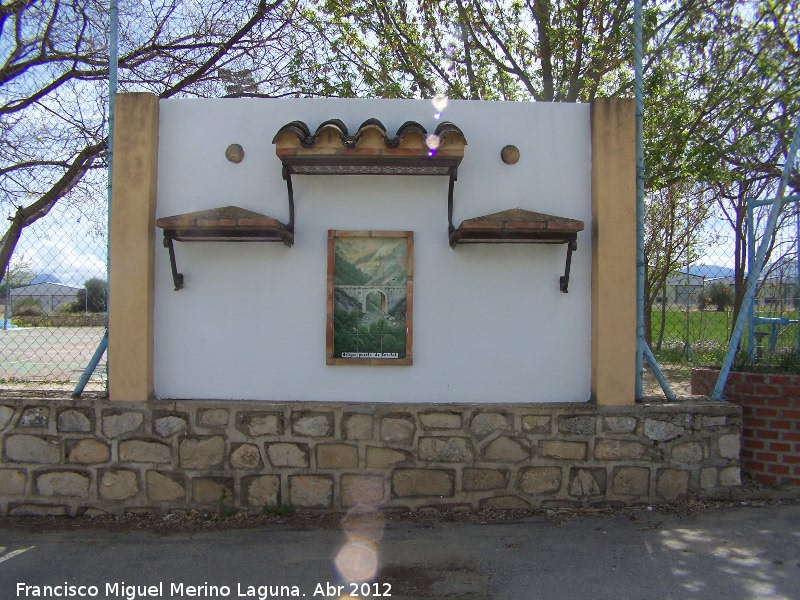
(225, 224)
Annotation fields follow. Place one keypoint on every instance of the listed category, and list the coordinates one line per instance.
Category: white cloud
(64, 262)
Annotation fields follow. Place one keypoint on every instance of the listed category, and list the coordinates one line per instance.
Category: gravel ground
(751, 494)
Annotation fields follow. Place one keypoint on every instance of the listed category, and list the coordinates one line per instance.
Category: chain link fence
(698, 253)
(53, 309)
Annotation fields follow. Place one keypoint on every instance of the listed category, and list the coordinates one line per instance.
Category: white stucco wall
(490, 324)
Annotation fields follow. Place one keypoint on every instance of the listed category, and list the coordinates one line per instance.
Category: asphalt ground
(747, 550)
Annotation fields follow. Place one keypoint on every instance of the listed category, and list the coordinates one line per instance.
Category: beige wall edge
(613, 136)
(132, 247)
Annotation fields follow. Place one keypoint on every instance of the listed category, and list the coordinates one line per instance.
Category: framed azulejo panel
(370, 289)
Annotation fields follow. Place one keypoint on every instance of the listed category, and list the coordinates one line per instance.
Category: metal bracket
(287, 176)
(564, 279)
(453, 178)
(177, 278)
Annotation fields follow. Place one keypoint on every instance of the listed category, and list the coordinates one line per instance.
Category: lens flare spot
(439, 103)
(432, 141)
(364, 525)
(357, 562)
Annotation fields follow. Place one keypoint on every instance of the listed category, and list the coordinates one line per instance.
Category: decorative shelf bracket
(225, 224)
(564, 279)
(518, 226)
(177, 278)
(287, 176)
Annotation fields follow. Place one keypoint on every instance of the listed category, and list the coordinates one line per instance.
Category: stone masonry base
(64, 457)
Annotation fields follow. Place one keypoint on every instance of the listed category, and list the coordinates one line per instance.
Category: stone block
(485, 423)
(708, 478)
(540, 480)
(310, 491)
(580, 425)
(709, 422)
(357, 426)
(89, 451)
(6, 414)
(587, 482)
(619, 424)
(118, 485)
(661, 431)
(337, 456)
(563, 450)
(115, 425)
(73, 421)
(202, 453)
(505, 503)
(212, 418)
(37, 510)
(730, 476)
(631, 481)
(213, 490)
(284, 454)
(672, 484)
(483, 479)
(257, 424)
(12, 482)
(63, 483)
(312, 424)
(363, 490)
(729, 445)
(507, 449)
(246, 456)
(398, 430)
(622, 450)
(381, 458)
(408, 483)
(444, 449)
(163, 488)
(440, 420)
(33, 449)
(261, 490)
(537, 424)
(688, 452)
(34, 417)
(143, 451)
(169, 425)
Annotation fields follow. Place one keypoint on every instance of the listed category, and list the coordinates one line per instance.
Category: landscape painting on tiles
(370, 283)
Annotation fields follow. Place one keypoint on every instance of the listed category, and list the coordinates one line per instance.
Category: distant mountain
(371, 261)
(709, 271)
(45, 278)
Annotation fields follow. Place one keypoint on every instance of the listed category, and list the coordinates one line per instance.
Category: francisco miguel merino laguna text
(175, 590)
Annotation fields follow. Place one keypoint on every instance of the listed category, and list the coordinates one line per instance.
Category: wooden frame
(370, 298)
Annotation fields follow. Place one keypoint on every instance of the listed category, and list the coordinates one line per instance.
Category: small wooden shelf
(518, 226)
(225, 224)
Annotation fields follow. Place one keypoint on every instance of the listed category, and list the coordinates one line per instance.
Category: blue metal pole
(751, 244)
(797, 273)
(752, 276)
(87, 372)
(112, 92)
(637, 63)
(113, 38)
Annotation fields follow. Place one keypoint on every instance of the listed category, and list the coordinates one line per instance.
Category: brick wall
(69, 456)
(770, 421)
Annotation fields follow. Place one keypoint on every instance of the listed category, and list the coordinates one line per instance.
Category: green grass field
(707, 333)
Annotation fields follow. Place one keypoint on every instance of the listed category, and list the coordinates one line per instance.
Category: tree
(720, 294)
(673, 221)
(19, 273)
(54, 73)
(92, 297)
